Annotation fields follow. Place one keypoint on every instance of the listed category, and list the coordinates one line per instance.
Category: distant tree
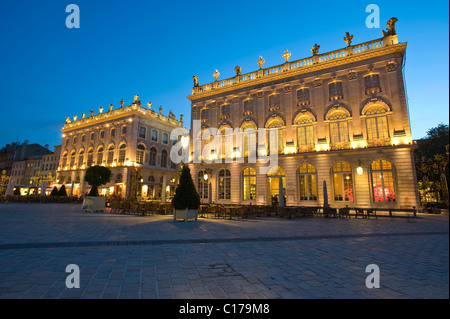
(97, 176)
(54, 191)
(432, 164)
(62, 191)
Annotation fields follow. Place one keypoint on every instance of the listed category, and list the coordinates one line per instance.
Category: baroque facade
(133, 141)
(343, 131)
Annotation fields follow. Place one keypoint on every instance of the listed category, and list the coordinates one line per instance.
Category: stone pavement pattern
(153, 257)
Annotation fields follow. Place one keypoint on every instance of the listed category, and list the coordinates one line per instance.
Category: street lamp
(359, 169)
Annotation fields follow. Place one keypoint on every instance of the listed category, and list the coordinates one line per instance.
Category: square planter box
(185, 214)
(94, 204)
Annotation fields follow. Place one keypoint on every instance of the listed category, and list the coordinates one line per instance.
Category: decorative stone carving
(390, 27)
(181, 117)
(67, 120)
(348, 38)
(92, 112)
(160, 109)
(136, 97)
(317, 83)
(286, 55)
(237, 69)
(83, 115)
(261, 62)
(196, 84)
(315, 49)
(121, 103)
(391, 66)
(100, 109)
(75, 117)
(287, 89)
(111, 107)
(216, 74)
(351, 75)
(260, 94)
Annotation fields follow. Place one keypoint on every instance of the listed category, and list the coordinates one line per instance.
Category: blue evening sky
(153, 48)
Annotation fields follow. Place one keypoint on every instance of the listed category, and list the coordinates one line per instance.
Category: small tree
(62, 191)
(54, 192)
(186, 195)
(97, 176)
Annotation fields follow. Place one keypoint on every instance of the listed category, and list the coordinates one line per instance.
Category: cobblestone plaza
(123, 256)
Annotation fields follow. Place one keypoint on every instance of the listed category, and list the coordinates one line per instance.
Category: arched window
(164, 158)
(275, 135)
(383, 181)
(81, 157)
(152, 159)
(64, 161)
(202, 184)
(339, 131)
(140, 152)
(122, 153)
(342, 181)
(110, 154)
(249, 140)
(224, 184)
(307, 182)
(100, 155)
(305, 133)
(124, 130)
(90, 157)
(249, 183)
(72, 159)
(377, 125)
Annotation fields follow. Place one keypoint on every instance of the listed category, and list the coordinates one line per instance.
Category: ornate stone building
(133, 141)
(343, 129)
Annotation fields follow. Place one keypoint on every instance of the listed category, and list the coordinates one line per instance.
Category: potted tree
(186, 200)
(95, 177)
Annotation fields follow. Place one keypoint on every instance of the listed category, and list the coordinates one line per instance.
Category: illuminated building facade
(133, 141)
(342, 123)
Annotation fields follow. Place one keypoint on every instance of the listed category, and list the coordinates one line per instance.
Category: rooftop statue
(315, 49)
(195, 81)
(237, 69)
(390, 27)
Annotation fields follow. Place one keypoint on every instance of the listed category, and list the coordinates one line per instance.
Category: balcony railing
(291, 66)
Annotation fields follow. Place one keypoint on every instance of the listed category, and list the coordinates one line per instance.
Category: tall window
(202, 184)
(248, 106)
(308, 182)
(302, 96)
(335, 91)
(92, 137)
(100, 155)
(110, 154)
(342, 180)
(274, 102)
(339, 132)
(383, 181)
(140, 154)
(372, 83)
(102, 135)
(122, 153)
(275, 134)
(80, 158)
(164, 158)
(204, 115)
(64, 161)
(152, 159)
(224, 184)
(377, 128)
(142, 131)
(154, 135)
(249, 141)
(249, 183)
(113, 133)
(225, 111)
(305, 136)
(124, 130)
(165, 138)
(90, 157)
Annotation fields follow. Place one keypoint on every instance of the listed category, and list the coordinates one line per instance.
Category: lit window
(224, 184)
(383, 181)
(308, 182)
(140, 154)
(249, 183)
(122, 152)
(343, 184)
